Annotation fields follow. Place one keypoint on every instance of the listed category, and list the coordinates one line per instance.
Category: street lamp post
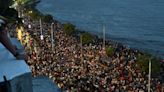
(41, 30)
(103, 36)
(52, 36)
(149, 77)
(81, 44)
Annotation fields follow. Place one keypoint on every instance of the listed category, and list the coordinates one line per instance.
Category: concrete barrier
(17, 72)
(18, 76)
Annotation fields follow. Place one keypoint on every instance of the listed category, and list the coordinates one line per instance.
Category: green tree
(69, 29)
(87, 38)
(143, 62)
(110, 50)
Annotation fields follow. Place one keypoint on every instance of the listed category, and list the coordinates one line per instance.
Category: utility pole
(149, 77)
(52, 36)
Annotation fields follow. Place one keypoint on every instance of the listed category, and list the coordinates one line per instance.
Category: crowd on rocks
(76, 68)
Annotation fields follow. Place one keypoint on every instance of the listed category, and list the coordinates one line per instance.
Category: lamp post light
(29, 26)
(23, 21)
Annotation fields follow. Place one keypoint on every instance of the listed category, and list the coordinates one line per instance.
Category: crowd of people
(77, 67)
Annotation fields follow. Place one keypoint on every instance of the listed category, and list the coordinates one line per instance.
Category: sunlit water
(136, 23)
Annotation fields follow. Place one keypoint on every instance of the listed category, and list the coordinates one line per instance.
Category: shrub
(143, 62)
(110, 50)
(87, 38)
(69, 29)
(47, 18)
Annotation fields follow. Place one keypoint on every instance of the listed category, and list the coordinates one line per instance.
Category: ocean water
(136, 23)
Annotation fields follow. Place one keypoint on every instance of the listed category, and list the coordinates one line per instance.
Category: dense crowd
(87, 68)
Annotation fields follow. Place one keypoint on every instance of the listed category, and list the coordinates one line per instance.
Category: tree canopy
(143, 62)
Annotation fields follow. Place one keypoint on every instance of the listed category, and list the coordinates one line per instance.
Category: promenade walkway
(95, 72)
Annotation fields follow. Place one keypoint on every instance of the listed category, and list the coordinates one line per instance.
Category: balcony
(16, 76)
